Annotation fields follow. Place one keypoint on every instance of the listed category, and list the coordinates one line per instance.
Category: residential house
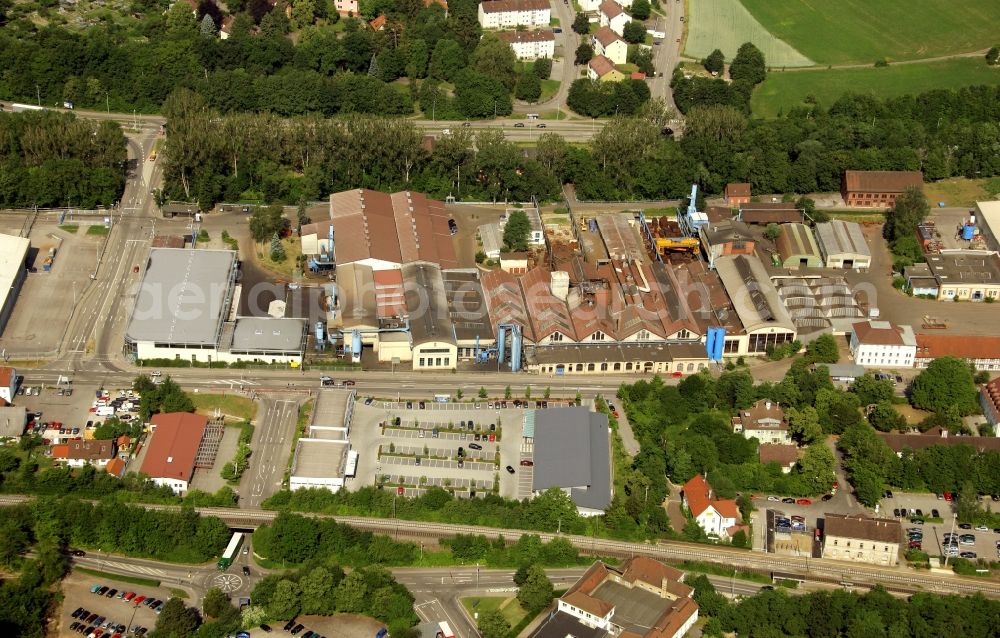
(225, 29)
(116, 467)
(786, 456)
(982, 351)
(718, 517)
(843, 245)
(989, 399)
(506, 14)
(613, 15)
(601, 69)
(641, 599)
(346, 7)
(878, 188)
(530, 45)
(607, 43)
(378, 24)
(77, 452)
(737, 193)
(171, 453)
(8, 384)
(880, 344)
(764, 421)
(860, 539)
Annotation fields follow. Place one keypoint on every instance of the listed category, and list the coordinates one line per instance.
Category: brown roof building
(610, 8)
(737, 193)
(763, 213)
(989, 399)
(641, 599)
(384, 231)
(983, 352)
(603, 68)
(171, 453)
(898, 443)
(861, 539)
(878, 188)
(513, 37)
(785, 456)
(765, 421)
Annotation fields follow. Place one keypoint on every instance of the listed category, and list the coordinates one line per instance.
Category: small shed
(843, 245)
(798, 248)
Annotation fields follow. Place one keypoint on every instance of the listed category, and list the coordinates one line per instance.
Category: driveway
(666, 56)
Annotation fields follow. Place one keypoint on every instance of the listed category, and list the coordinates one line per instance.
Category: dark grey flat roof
(183, 295)
(268, 333)
(562, 625)
(572, 450)
(426, 303)
(466, 304)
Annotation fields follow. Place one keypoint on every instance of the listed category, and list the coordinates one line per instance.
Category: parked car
(964, 526)
(969, 555)
(803, 501)
(935, 514)
(982, 528)
(774, 499)
(827, 497)
(788, 500)
(475, 446)
(527, 462)
(510, 469)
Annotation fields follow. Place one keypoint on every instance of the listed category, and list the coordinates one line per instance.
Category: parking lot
(443, 444)
(76, 589)
(927, 505)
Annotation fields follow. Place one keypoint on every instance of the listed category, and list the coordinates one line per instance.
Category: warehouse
(797, 247)
(988, 218)
(572, 452)
(185, 309)
(764, 322)
(13, 270)
(843, 245)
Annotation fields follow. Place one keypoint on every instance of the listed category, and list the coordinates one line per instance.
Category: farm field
(783, 91)
(725, 25)
(863, 31)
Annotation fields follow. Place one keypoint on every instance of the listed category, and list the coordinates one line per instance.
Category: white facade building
(880, 344)
(530, 45)
(505, 14)
(613, 16)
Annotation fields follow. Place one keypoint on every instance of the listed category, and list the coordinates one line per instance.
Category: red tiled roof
(776, 453)
(638, 75)
(697, 492)
(501, 6)
(991, 394)
(116, 467)
(596, 606)
(172, 450)
(876, 335)
(964, 347)
(601, 65)
(6, 377)
(737, 189)
(59, 452)
(606, 36)
(882, 181)
(611, 8)
(727, 507)
(378, 23)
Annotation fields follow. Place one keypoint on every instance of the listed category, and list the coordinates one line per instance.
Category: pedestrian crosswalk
(232, 382)
(139, 569)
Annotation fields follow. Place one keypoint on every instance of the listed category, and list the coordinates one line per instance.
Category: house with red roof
(717, 516)
(989, 399)
(171, 453)
(8, 384)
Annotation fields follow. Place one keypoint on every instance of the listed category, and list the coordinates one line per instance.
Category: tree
(581, 24)
(642, 58)
(823, 349)
(495, 58)
(446, 60)
(286, 602)
(493, 624)
(516, 232)
(816, 467)
(902, 219)
(277, 249)
(176, 620)
(967, 506)
(992, 56)
(885, 418)
(871, 390)
(946, 383)
(216, 603)
(772, 232)
(482, 393)
(537, 592)
(640, 9)
(266, 222)
(715, 62)
(529, 87)
(208, 27)
(542, 67)
(584, 53)
(317, 591)
(748, 65)
(507, 392)
(634, 32)
(303, 14)
(804, 424)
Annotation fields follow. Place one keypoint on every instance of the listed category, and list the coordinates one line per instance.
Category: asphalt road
(271, 444)
(666, 56)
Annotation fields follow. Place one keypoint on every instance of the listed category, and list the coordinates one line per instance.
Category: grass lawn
(554, 21)
(510, 608)
(230, 405)
(782, 91)
(135, 580)
(284, 268)
(960, 191)
(726, 24)
(549, 88)
(861, 31)
(98, 230)
(70, 228)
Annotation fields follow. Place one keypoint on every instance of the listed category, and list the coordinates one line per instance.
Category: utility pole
(38, 93)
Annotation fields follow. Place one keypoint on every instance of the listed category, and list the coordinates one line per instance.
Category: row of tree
(51, 159)
(844, 614)
(528, 550)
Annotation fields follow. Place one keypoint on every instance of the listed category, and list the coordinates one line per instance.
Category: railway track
(821, 569)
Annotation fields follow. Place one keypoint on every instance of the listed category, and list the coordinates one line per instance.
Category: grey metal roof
(12, 421)
(467, 307)
(842, 238)
(268, 333)
(754, 297)
(572, 450)
(426, 303)
(183, 296)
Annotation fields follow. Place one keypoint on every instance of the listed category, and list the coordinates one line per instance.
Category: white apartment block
(530, 45)
(506, 14)
(880, 344)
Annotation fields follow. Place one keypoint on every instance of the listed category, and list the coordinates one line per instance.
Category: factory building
(13, 270)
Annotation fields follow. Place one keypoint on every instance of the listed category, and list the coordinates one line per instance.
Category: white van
(105, 410)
